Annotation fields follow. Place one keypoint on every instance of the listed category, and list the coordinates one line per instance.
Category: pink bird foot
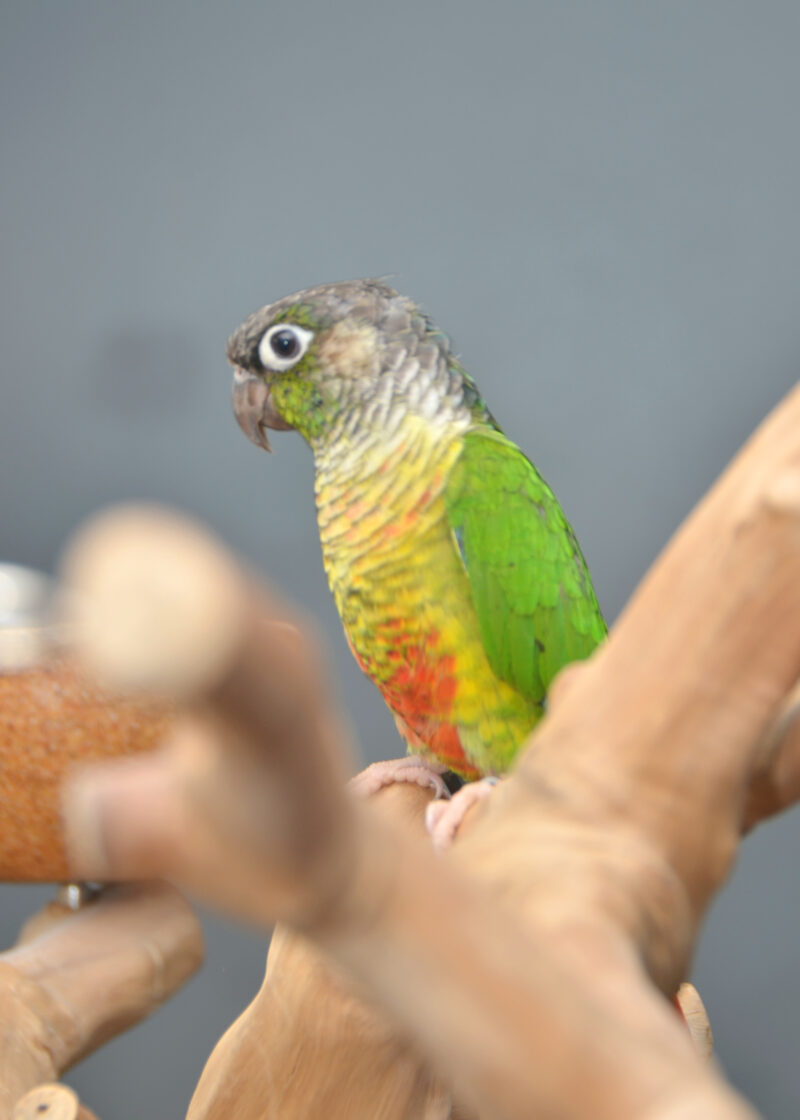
(443, 818)
(412, 768)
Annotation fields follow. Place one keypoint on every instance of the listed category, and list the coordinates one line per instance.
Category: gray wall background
(598, 200)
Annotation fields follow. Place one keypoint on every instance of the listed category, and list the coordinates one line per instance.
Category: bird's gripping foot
(412, 768)
(443, 818)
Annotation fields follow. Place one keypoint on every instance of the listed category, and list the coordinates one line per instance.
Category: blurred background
(597, 199)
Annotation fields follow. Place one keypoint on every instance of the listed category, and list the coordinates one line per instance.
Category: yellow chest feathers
(376, 504)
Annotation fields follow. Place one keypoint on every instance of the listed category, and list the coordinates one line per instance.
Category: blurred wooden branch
(76, 979)
(544, 944)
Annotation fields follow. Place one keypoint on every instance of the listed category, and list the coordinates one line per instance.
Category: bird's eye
(283, 345)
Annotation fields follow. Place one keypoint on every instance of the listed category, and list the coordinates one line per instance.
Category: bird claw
(443, 818)
(412, 769)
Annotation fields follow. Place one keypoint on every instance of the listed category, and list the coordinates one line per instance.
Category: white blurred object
(27, 608)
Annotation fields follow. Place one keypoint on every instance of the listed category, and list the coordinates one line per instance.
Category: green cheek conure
(460, 583)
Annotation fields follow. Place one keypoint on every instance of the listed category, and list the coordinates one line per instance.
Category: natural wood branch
(547, 941)
(346, 1058)
(77, 979)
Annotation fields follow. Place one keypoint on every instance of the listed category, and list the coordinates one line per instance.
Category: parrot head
(342, 359)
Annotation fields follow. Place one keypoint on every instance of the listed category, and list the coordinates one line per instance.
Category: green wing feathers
(531, 588)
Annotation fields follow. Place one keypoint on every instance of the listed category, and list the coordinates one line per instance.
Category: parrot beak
(254, 408)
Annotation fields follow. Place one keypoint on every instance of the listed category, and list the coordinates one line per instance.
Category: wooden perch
(530, 965)
(77, 979)
(347, 1059)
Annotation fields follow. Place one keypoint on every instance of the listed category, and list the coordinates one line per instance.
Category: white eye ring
(283, 345)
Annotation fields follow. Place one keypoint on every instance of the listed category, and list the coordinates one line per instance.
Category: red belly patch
(420, 692)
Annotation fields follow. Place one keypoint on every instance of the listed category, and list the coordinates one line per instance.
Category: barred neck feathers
(382, 374)
(384, 457)
(384, 488)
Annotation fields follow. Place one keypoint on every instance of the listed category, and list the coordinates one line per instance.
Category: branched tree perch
(530, 965)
